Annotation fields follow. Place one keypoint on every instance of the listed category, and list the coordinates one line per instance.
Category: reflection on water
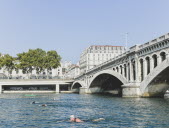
(17, 111)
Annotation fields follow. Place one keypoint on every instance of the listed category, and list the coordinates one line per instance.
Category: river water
(16, 111)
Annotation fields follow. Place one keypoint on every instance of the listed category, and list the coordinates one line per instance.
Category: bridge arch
(121, 69)
(77, 85)
(154, 57)
(162, 55)
(133, 68)
(107, 81)
(125, 70)
(162, 51)
(117, 69)
(147, 59)
(141, 77)
(128, 72)
(157, 82)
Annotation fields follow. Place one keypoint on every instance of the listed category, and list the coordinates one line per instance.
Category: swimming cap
(72, 116)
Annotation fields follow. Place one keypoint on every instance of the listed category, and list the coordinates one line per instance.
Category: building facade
(97, 54)
(72, 71)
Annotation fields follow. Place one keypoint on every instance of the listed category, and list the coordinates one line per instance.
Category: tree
(32, 60)
(1, 62)
(7, 62)
(25, 62)
(52, 61)
(39, 60)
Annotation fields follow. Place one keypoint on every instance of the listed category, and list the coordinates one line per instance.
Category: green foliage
(25, 62)
(39, 60)
(34, 59)
(52, 60)
(7, 62)
(1, 61)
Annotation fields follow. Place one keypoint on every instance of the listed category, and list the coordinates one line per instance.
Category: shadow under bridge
(106, 83)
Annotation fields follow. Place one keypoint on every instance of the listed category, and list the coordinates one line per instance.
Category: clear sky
(70, 26)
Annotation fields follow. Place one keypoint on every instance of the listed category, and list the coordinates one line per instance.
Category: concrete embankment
(66, 92)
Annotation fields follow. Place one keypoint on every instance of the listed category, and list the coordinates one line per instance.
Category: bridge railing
(161, 38)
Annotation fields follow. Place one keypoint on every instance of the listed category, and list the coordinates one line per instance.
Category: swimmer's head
(72, 116)
(44, 105)
(33, 102)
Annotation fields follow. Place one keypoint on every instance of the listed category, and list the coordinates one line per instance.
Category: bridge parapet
(159, 39)
(134, 48)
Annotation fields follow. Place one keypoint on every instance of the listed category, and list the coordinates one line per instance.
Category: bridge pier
(57, 90)
(131, 90)
(83, 90)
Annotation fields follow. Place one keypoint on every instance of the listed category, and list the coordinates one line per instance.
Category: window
(63, 69)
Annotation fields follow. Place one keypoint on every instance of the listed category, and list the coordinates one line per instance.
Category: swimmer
(74, 119)
(33, 102)
(44, 105)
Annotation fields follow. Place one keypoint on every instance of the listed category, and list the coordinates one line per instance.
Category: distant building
(97, 54)
(61, 70)
(72, 71)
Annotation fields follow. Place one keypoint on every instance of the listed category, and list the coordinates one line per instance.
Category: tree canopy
(7, 62)
(39, 60)
(33, 59)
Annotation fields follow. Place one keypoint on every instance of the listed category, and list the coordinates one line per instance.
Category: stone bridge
(142, 71)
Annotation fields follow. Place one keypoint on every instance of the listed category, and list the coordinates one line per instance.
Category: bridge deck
(34, 86)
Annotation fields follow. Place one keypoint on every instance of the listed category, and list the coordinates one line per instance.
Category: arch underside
(76, 87)
(106, 83)
(159, 84)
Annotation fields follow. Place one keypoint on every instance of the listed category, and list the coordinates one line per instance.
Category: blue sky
(70, 26)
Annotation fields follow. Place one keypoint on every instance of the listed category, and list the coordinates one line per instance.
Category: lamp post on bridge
(126, 38)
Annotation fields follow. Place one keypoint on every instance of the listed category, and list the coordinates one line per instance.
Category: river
(17, 111)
